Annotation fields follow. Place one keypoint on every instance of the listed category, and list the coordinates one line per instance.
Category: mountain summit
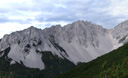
(80, 41)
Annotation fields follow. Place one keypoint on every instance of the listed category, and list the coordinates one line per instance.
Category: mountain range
(70, 45)
(111, 65)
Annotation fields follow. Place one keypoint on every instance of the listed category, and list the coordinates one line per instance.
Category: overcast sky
(20, 14)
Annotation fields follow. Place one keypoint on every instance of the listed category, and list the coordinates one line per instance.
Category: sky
(20, 14)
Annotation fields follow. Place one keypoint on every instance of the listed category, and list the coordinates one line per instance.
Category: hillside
(54, 64)
(81, 41)
(51, 51)
(111, 65)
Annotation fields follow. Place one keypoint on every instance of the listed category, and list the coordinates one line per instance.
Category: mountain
(120, 32)
(57, 49)
(83, 40)
(110, 65)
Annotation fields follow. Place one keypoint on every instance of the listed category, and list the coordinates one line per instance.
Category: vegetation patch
(53, 64)
(111, 65)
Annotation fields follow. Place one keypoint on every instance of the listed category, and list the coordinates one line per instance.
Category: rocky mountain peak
(80, 41)
(120, 32)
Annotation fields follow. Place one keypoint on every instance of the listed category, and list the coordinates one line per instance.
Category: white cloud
(20, 14)
(118, 7)
(8, 27)
(60, 5)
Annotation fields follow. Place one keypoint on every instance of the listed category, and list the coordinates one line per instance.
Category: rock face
(120, 32)
(80, 41)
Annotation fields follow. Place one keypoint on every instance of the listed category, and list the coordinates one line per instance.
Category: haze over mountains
(78, 42)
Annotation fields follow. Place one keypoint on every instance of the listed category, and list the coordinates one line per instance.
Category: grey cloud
(20, 21)
(107, 21)
(2, 10)
(96, 11)
(75, 10)
(56, 17)
(61, 18)
(3, 19)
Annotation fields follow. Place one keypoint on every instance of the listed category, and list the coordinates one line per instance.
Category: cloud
(6, 28)
(3, 19)
(99, 12)
(45, 13)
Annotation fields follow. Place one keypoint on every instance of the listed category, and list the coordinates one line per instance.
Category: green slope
(54, 65)
(111, 65)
